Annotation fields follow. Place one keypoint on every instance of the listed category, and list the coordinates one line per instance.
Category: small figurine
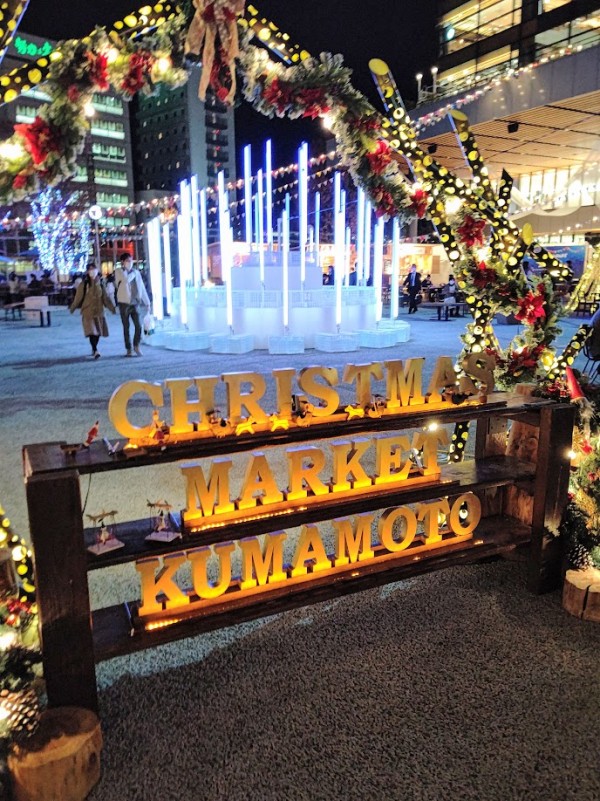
(105, 536)
(92, 434)
(163, 529)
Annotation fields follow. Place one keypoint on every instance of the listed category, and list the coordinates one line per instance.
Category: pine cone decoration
(579, 557)
(21, 710)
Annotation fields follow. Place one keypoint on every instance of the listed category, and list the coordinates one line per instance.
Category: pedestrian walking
(132, 298)
(91, 299)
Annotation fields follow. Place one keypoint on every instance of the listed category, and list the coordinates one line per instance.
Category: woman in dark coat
(91, 299)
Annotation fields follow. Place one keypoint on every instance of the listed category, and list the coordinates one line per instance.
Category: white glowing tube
(338, 247)
(248, 193)
(269, 192)
(395, 288)
(184, 260)
(226, 245)
(367, 243)
(348, 259)
(195, 230)
(184, 236)
(360, 235)
(155, 264)
(317, 227)
(204, 234)
(378, 269)
(260, 225)
(168, 273)
(303, 206)
(285, 229)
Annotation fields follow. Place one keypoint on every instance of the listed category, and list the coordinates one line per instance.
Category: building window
(102, 150)
(108, 104)
(108, 129)
(476, 20)
(111, 199)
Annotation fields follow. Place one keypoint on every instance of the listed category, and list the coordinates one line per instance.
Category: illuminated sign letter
(471, 518)
(203, 587)
(236, 399)
(389, 459)
(444, 375)
(480, 366)
(346, 460)
(386, 528)
(207, 499)
(309, 548)
(351, 546)
(258, 479)
(308, 383)
(404, 385)
(300, 473)
(283, 382)
(117, 407)
(362, 373)
(161, 584)
(429, 513)
(262, 565)
(181, 407)
(428, 441)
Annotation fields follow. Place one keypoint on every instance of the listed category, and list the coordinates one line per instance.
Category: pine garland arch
(148, 48)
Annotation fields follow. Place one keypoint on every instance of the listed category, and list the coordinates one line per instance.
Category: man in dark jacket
(412, 282)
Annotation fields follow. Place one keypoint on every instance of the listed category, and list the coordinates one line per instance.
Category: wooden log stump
(581, 593)
(61, 762)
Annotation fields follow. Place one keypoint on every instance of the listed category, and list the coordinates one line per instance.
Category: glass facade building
(481, 38)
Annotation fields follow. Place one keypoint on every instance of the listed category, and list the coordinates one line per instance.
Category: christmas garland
(44, 152)
(508, 291)
(321, 87)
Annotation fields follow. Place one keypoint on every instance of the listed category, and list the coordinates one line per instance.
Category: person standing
(91, 299)
(131, 297)
(412, 282)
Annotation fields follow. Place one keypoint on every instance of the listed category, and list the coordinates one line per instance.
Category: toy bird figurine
(92, 434)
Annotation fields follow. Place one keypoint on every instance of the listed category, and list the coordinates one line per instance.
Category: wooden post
(55, 517)
(490, 437)
(550, 496)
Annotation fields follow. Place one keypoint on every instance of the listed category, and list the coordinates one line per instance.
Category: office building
(104, 169)
(176, 135)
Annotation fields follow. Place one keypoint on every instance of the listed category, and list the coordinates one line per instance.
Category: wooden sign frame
(522, 501)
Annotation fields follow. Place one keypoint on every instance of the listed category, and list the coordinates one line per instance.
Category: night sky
(399, 31)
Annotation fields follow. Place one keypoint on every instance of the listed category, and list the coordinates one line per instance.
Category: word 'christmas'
(317, 385)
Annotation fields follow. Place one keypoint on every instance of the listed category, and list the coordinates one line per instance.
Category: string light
(433, 117)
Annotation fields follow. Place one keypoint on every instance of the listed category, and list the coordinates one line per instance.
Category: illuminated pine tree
(62, 237)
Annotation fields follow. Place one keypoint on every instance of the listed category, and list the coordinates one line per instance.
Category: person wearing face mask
(131, 297)
(91, 299)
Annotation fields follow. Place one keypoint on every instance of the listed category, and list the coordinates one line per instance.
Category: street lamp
(434, 72)
(419, 77)
(94, 211)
